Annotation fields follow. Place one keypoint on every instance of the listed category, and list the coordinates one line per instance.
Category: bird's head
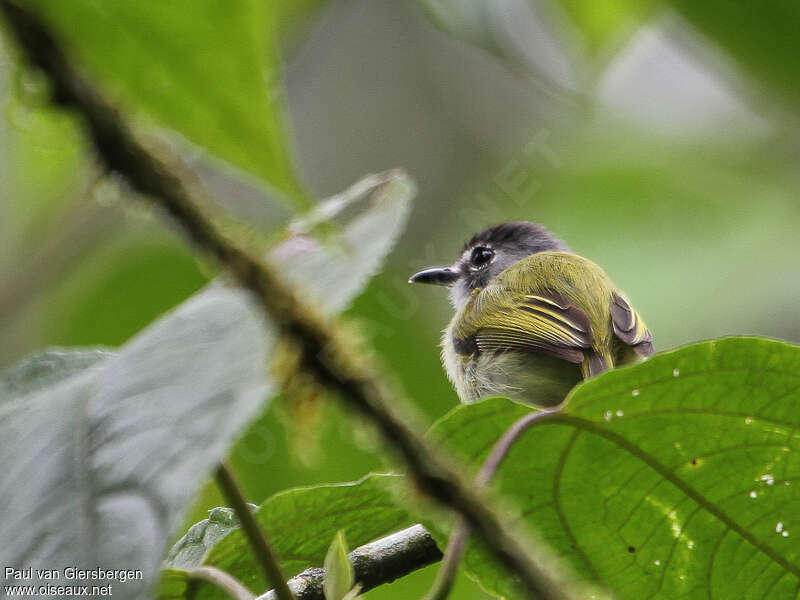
(487, 254)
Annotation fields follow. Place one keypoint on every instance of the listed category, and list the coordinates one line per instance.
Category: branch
(265, 556)
(328, 357)
(376, 563)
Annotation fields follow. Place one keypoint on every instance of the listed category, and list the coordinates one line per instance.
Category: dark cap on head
(487, 254)
(525, 236)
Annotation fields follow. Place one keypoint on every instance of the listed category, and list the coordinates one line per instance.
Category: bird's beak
(438, 276)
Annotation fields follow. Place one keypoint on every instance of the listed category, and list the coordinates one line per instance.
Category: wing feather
(629, 326)
(545, 322)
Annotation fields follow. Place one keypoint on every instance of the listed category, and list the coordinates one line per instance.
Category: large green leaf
(300, 524)
(676, 478)
(207, 69)
(100, 462)
(761, 36)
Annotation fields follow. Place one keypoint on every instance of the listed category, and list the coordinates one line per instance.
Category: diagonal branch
(324, 353)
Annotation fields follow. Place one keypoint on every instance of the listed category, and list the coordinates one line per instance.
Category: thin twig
(224, 581)
(325, 354)
(264, 555)
(446, 576)
(376, 563)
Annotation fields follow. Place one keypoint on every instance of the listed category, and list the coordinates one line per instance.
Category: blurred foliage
(697, 224)
(118, 291)
(603, 21)
(760, 36)
(207, 70)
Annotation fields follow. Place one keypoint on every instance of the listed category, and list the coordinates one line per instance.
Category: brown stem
(446, 576)
(328, 357)
(265, 556)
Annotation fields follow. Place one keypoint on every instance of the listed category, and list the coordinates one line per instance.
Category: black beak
(438, 276)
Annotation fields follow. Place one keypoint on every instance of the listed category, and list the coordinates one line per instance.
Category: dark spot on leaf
(631, 549)
(694, 462)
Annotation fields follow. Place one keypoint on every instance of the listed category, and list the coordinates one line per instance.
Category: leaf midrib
(631, 448)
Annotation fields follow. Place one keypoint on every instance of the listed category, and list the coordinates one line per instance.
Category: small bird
(532, 318)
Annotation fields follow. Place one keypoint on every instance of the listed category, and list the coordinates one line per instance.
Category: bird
(532, 319)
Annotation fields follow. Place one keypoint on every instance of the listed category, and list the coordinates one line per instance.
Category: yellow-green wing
(544, 322)
(629, 326)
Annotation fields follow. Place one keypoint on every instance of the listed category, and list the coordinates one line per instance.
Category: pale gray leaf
(102, 452)
(332, 270)
(99, 466)
(46, 368)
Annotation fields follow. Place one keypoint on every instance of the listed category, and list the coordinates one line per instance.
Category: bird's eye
(481, 255)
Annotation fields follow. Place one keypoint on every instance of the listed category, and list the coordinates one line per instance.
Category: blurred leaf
(602, 21)
(514, 33)
(294, 18)
(338, 571)
(126, 441)
(121, 288)
(299, 524)
(107, 490)
(369, 217)
(206, 69)
(332, 269)
(761, 36)
(673, 478)
(45, 161)
(46, 368)
(467, 20)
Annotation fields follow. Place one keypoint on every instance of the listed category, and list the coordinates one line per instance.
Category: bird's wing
(629, 326)
(543, 322)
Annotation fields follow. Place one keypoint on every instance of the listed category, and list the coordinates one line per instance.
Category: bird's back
(551, 314)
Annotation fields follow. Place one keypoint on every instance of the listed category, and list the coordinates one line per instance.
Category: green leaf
(100, 464)
(206, 69)
(674, 478)
(339, 577)
(299, 524)
(760, 36)
(172, 584)
(192, 547)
